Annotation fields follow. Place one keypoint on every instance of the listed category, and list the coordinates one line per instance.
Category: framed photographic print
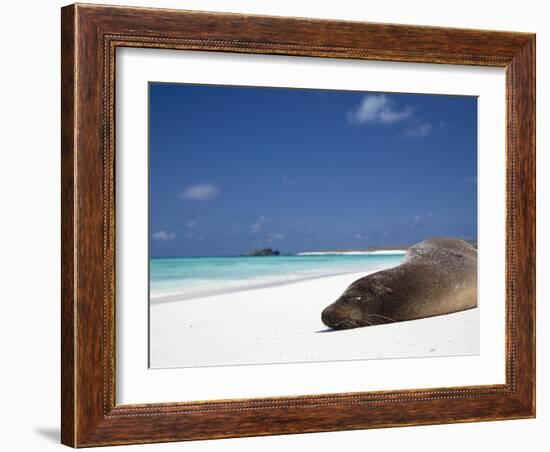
(281, 225)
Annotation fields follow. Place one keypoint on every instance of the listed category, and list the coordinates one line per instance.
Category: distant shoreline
(382, 252)
(379, 251)
(374, 249)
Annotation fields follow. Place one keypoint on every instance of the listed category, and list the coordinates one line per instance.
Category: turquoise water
(189, 277)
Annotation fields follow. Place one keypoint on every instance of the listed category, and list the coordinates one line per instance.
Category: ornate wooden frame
(90, 35)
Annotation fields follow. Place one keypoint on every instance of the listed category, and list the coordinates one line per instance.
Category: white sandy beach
(283, 324)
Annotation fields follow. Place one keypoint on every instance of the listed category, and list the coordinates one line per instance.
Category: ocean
(179, 278)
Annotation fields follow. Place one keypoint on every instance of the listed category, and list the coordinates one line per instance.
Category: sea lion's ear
(382, 290)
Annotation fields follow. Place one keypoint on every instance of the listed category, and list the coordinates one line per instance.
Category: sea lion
(438, 276)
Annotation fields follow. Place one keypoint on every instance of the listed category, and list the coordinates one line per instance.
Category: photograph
(304, 225)
(269, 223)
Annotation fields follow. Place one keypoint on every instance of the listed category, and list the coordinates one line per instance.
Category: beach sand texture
(282, 324)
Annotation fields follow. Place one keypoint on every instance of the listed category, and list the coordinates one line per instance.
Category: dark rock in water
(265, 252)
(438, 276)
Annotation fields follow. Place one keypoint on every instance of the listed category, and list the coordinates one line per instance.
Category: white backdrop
(30, 226)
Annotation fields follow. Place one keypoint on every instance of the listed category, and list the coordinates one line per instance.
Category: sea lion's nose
(328, 316)
(340, 315)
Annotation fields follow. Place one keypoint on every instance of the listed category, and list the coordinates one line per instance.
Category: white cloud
(423, 220)
(191, 224)
(200, 192)
(419, 130)
(286, 179)
(163, 235)
(259, 223)
(275, 237)
(378, 108)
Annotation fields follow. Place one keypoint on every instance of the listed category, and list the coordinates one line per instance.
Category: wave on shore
(174, 279)
(354, 253)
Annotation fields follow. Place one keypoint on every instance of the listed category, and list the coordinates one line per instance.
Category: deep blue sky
(237, 168)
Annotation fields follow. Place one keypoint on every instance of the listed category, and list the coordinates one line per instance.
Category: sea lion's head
(362, 304)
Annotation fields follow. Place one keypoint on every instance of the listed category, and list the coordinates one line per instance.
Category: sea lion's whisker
(385, 318)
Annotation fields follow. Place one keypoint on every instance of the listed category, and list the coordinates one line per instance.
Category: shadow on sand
(327, 330)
